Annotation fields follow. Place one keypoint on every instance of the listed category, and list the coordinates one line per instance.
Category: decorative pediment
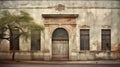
(84, 26)
(106, 26)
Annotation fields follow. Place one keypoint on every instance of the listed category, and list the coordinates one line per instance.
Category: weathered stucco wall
(93, 15)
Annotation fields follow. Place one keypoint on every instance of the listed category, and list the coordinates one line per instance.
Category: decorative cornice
(59, 15)
(29, 4)
(60, 0)
(60, 8)
(93, 7)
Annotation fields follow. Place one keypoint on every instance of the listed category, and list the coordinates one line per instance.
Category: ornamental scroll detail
(60, 7)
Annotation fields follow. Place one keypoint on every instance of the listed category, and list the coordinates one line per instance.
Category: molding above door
(60, 19)
(59, 15)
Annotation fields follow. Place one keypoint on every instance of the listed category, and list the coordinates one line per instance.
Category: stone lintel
(59, 15)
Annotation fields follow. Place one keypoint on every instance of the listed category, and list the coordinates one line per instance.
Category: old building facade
(74, 30)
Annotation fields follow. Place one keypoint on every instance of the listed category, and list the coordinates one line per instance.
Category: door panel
(60, 48)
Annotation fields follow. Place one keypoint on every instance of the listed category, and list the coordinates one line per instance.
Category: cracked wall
(93, 15)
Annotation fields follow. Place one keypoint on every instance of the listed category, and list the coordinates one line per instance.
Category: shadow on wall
(118, 47)
(118, 27)
(0, 41)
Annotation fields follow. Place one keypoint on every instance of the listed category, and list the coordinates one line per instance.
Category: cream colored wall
(92, 15)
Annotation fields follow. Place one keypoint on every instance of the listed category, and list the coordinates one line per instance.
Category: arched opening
(60, 44)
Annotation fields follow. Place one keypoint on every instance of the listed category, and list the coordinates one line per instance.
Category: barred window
(84, 39)
(35, 39)
(106, 39)
(14, 39)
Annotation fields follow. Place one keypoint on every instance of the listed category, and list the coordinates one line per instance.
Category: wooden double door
(60, 44)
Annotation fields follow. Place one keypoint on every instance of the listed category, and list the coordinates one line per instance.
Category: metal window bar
(84, 39)
(106, 39)
(14, 42)
(35, 39)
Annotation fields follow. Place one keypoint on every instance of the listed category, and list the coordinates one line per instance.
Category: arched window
(60, 34)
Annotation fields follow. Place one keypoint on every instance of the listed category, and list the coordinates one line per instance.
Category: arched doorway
(60, 44)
